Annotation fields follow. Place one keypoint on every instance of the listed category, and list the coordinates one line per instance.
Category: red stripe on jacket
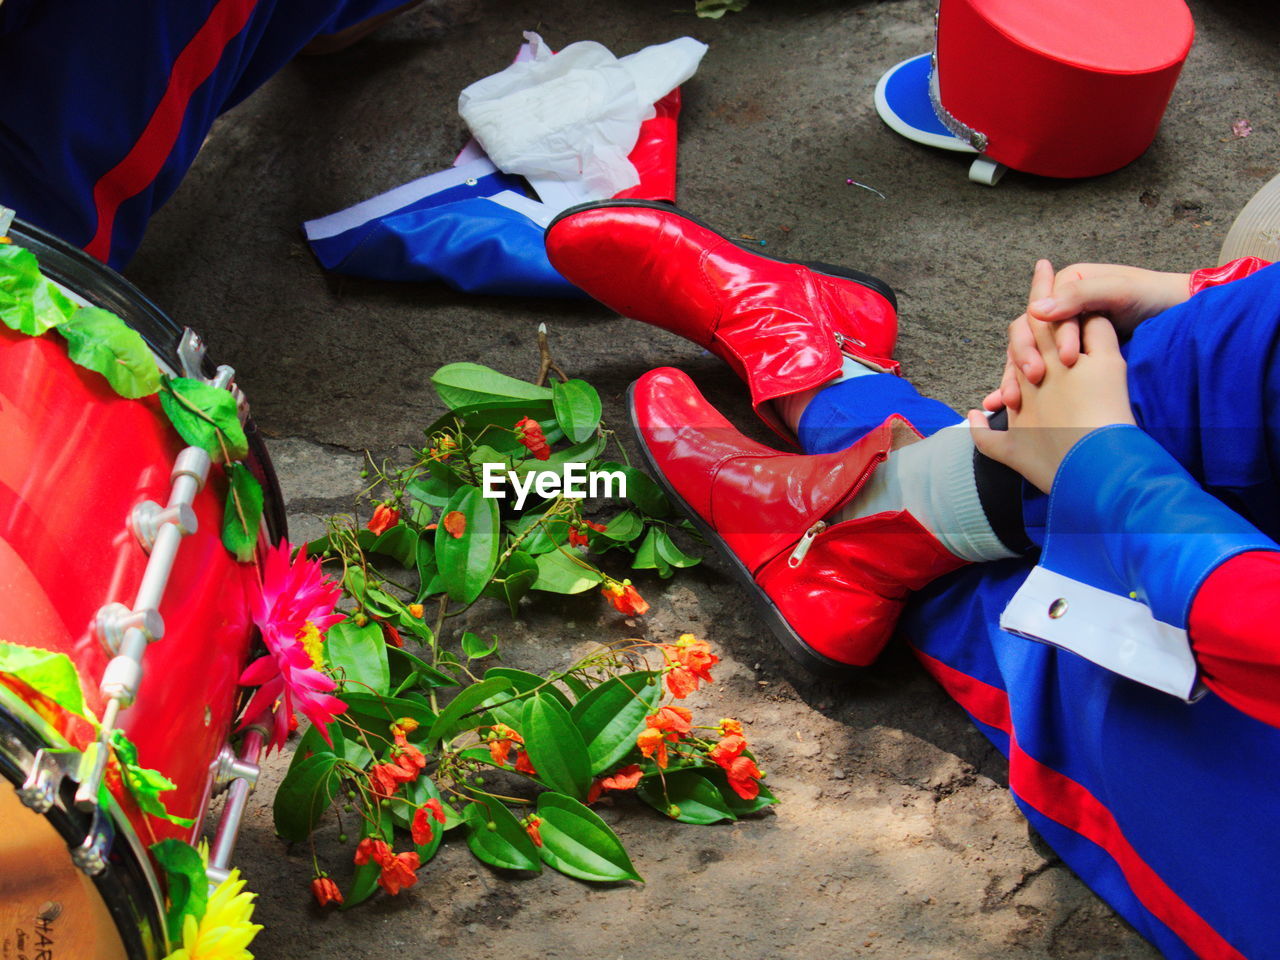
(144, 161)
(1067, 802)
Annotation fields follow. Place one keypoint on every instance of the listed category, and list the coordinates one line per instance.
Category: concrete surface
(895, 836)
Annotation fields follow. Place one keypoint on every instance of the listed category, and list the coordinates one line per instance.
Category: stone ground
(895, 836)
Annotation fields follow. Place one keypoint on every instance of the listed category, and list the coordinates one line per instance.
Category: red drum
(75, 461)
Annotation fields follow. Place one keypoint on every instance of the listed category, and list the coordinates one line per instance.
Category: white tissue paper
(572, 118)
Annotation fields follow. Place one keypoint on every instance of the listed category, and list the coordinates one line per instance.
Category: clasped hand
(1064, 375)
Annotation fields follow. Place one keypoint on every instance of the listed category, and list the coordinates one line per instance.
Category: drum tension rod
(241, 772)
(127, 632)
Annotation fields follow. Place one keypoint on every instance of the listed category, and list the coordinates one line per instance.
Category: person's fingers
(1010, 392)
(1099, 336)
(1023, 352)
(1042, 280)
(993, 401)
(1067, 337)
(1070, 298)
(990, 443)
(1043, 333)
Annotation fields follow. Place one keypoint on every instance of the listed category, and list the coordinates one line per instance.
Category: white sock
(933, 480)
(791, 407)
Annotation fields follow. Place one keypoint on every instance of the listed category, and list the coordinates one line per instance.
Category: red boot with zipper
(832, 593)
(784, 327)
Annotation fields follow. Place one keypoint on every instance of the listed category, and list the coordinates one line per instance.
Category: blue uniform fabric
(84, 77)
(1165, 809)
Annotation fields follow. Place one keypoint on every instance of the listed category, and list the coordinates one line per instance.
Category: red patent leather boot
(783, 326)
(831, 592)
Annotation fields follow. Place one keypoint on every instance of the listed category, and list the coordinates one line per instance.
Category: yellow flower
(312, 643)
(225, 930)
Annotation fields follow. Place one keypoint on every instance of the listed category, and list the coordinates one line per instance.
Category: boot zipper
(841, 338)
(797, 555)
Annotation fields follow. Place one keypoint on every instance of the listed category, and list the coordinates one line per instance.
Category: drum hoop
(139, 919)
(104, 287)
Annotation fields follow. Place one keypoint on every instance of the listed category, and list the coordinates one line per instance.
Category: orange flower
(436, 810)
(398, 872)
(743, 777)
(404, 725)
(531, 825)
(385, 517)
(455, 523)
(625, 778)
(677, 721)
(415, 610)
(500, 744)
(653, 743)
(420, 830)
(597, 527)
(689, 663)
(524, 764)
(625, 598)
(385, 779)
(727, 749)
(372, 849)
(729, 727)
(408, 757)
(577, 538)
(391, 634)
(529, 432)
(325, 891)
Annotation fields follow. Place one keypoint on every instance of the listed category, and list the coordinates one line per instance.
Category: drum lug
(91, 855)
(51, 767)
(115, 618)
(228, 768)
(191, 351)
(148, 517)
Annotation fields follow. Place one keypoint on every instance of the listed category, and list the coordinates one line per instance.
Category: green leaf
(459, 384)
(377, 823)
(642, 490)
(549, 533)
(577, 407)
(522, 682)
(312, 742)
(98, 340)
(404, 664)
(507, 845)
(376, 714)
(647, 556)
(695, 798)
(186, 884)
(559, 574)
(242, 513)
(477, 649)
(466, 563)
(555, 746)
(452, 718)
(426, 564)
(495, 420)
(144, 784)
(578, 843)
(435, 488)
(514, 580)
(400, 543)
(624, 528)
(200, 413)
(304, 795)
(611, 716)
(29, 302)
(52, 674)
(670, 553)
(360, 655)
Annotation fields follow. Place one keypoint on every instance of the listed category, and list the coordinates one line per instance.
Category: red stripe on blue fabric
(144, 161)
(1070, 804)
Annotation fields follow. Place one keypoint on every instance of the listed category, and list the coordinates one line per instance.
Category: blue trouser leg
(85, 78)
(1163, 808)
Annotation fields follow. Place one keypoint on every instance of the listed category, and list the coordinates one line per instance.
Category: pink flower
(292, 597)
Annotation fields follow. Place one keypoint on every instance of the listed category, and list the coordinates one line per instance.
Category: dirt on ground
(895, 835)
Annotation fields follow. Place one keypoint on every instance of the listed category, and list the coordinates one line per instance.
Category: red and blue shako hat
(1058, 88)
